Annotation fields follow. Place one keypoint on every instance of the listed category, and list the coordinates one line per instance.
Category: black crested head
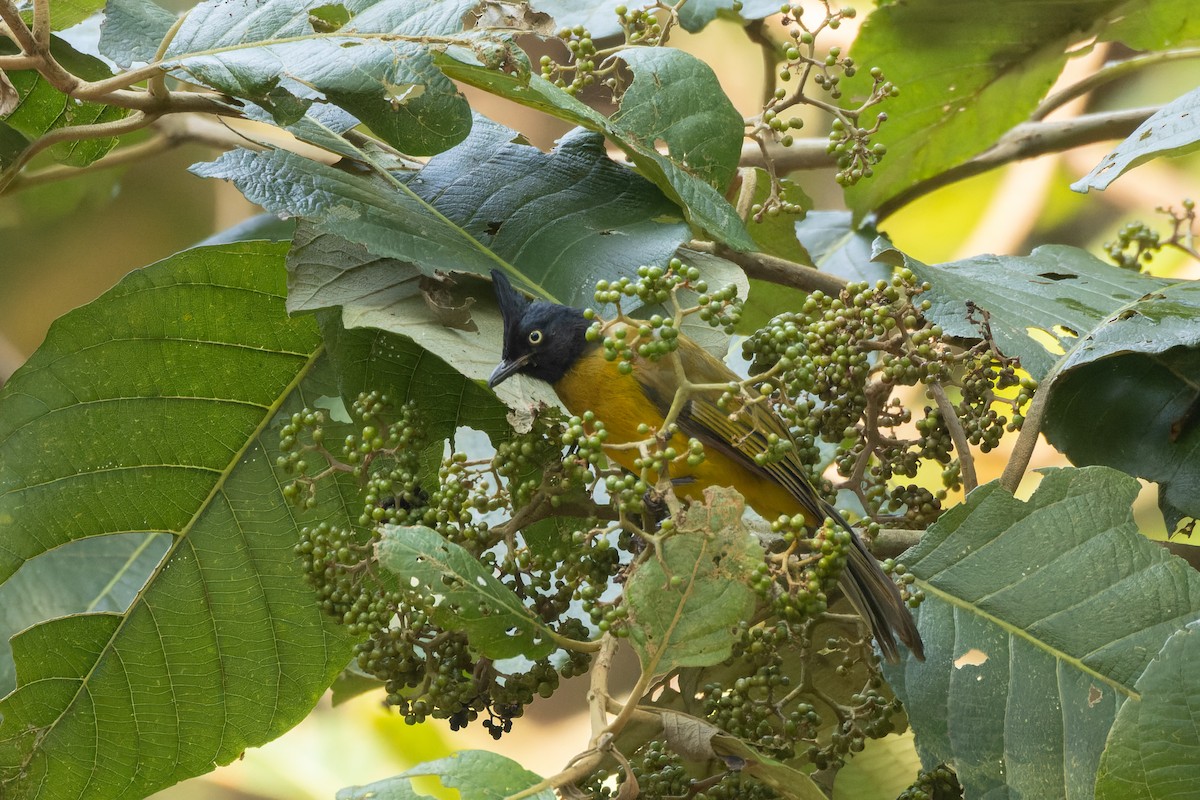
(542, 340)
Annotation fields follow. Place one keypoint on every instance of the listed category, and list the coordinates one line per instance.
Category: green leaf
(787, 782)
(42, 108)
(776, 234)
(489, 203)
(1155, 25)
(840, 247)
(1170, 131)
(367, 359)
(100, 574)
(469, 597)
(278, 55)
(696, 14)
(1053, 300)
(1121, 347)
(563, 219)
(66, 13)
(967, 72)
(882, 771)
(152, 410)
(1136, 413)
(476, 774)
(389, 220)
(685, 600)
(1043, 615)
(133, 29)
(675, 98)
(1153, 750)
(703, 206)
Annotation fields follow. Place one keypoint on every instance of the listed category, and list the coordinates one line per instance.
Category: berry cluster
(429, 670)
(1137, 243)
(939, 783)
(830, 369)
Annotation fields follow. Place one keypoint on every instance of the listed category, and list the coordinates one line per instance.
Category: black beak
(506, 369)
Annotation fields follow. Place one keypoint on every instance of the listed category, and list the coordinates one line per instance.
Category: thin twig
(773, 269)
(100, 130)
(126, 155)
(769, 50)
(957, 435)
(1111, 71)
(1027, 440)
(1027, 140)
(17, 29)
(41, 24)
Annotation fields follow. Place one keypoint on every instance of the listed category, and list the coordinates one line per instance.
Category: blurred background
(64, 243)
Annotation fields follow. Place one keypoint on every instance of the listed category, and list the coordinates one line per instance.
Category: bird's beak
(506, 369)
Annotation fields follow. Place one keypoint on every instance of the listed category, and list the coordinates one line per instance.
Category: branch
(1027, 439)
(1027, 140)
(159, 143)
(1111, 71)
(891, 542)
(773, 269)
(966, 461)
(100, 130)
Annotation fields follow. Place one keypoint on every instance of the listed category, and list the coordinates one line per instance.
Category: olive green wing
(741, 436)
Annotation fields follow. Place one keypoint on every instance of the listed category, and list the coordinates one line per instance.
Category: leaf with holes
(1043, 614)
(490, 203)
(468, 597)
(686, 600)
(675, 118)
(967, 73)
(1173, 130)
(1123, 349)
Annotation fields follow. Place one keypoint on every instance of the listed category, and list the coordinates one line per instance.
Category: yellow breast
(618, 401)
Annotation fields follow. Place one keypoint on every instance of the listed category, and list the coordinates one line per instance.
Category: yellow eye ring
(535, 337)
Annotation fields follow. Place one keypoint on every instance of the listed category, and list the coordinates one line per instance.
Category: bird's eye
(535, 337)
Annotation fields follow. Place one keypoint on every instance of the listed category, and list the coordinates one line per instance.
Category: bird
(549, 342)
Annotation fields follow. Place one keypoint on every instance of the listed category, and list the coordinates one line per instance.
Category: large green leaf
(367, 359)
(675, 98)
(1136, 413)
(685, 600)
(561, 220)
(1154, 747)
(1155, 25)
(1171, 131)
(284, 55)
(151, 410)
(133, 29)
(968, 71)
(469, 597)
(680, 120)
(1121, 347)
(413, 317)
(1054, 300)
(1039, 619)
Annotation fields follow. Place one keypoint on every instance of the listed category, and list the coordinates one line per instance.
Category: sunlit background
(65, 243)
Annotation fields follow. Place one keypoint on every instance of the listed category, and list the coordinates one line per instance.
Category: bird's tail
(874, 595)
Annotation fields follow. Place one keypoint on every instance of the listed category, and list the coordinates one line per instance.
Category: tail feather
(874, 595)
